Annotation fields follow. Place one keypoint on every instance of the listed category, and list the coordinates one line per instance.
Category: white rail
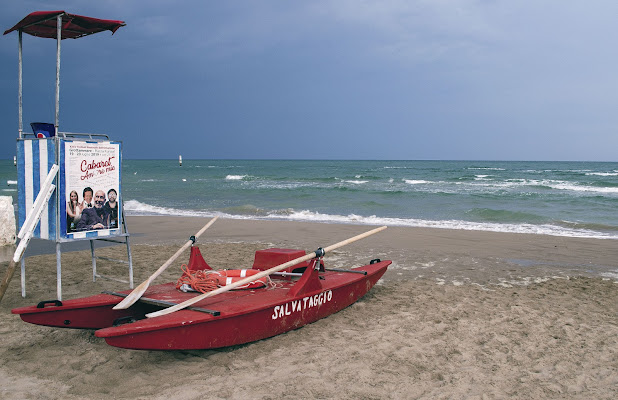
(27, 229)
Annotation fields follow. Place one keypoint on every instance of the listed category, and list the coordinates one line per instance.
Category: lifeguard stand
(51, 164)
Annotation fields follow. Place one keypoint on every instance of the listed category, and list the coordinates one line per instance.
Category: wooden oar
(317, 253)
(7, 278)
(139, 291)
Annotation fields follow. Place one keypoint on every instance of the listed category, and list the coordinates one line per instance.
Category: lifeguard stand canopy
(45, 24)
(57, 25)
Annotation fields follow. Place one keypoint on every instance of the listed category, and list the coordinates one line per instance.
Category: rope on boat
(208, 280)
(202, 281)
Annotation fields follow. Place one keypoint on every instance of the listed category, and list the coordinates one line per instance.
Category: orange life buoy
(242, 273)
(229, 276)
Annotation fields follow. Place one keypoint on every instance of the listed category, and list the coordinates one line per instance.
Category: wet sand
(459, 314)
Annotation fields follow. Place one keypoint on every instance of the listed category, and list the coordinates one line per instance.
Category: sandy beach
(458, 315)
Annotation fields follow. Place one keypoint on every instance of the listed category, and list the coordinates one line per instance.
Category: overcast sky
(341, 79)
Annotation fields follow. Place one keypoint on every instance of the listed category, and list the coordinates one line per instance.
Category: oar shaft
(353, 239)
(262, 274)
(139, 290)
(181, 250)
(7, 278)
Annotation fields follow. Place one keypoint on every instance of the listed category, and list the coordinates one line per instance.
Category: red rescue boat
(299, 295)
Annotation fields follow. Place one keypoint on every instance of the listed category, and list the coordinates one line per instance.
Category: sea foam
(235, 177)
(134, 207)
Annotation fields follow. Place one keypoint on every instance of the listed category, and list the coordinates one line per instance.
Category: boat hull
(239, 316)
(93, 312)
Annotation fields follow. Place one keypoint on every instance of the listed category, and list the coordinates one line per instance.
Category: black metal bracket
(319, 253)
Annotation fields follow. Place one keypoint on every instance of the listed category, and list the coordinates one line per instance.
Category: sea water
(578, 199)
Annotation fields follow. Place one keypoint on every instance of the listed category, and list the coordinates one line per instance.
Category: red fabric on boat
(196, 260)
(43, 24)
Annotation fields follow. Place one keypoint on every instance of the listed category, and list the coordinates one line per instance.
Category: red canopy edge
(43, 24)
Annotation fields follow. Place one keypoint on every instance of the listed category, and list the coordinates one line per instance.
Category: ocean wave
(506, 216)
(11, 183)
(583, 188)
(245, 209)
(587, 226)
(284, 185)
(480, 184)
(320, 179)
(543, 229)
(235, 177)
(539, 184)
(134, 207)
(602, 173)
(215, 166)
(486, 182)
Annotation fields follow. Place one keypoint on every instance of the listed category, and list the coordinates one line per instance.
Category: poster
(91, 189)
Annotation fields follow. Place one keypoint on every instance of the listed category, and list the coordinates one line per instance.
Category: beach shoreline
(452, 252)
(459, 314)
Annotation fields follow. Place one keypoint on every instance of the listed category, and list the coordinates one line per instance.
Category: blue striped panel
(34, 160)
(35, 181)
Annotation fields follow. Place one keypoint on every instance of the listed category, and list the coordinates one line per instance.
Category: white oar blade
(133, 296)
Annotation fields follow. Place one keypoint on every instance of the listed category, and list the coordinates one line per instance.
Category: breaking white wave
(602, 173)
(134, 207)
(482, 182)
(582, 188)
(235, 177)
